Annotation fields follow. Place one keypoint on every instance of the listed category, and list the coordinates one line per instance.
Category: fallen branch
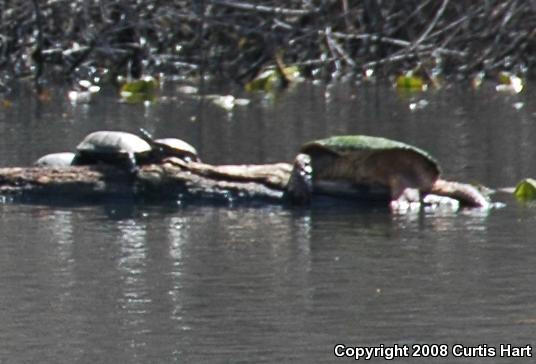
(262, 8)
(167, 181)
(432, 24)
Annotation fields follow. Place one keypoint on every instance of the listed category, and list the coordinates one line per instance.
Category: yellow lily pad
(273, 79)
(526, 190)
(6, 104)
(509, 82)
(139, 90)
(410, 81)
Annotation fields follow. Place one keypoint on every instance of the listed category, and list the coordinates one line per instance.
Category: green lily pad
(410, 81)
(509, 82)
(139, 90)
(273, 79)
(5, 103)
(526, 190)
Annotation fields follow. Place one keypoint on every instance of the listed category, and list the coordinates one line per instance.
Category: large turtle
(375, 167)
(113, 147)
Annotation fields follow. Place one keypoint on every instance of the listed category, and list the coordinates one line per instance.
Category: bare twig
(262, 8)
(432, 24)
(236, 39)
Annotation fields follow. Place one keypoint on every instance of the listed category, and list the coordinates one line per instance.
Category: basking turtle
(170, 147)
(129, 150)
(373, 167)
(56, 160)
(113, 147)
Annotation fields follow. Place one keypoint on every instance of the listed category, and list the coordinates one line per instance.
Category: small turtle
(375, 167)
(170, 147)
(56, 160)
(113, 147)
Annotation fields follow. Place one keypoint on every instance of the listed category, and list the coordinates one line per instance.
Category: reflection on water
(200, 283)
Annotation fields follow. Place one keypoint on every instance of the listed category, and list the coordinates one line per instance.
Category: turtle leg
(77, 160)
(81, 159)
(300, 184)
(132, 163)
(465, 193)
(403, 196)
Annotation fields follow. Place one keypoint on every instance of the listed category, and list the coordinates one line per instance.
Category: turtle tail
(467, 194)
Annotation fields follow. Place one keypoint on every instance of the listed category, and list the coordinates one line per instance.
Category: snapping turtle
(378, 168)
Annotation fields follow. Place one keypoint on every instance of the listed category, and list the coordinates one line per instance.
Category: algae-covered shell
(372, 167)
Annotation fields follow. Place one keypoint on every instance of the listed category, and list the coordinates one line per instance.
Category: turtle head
(157, 149)
(145, 135)
(300, 185)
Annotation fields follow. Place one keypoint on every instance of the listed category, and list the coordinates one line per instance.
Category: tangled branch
(236, 39)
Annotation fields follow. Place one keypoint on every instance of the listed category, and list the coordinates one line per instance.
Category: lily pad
(410, 81)
(139, 90)
(477, 80)
(509, 82)
(5, 104)
(227, 102)
(273, 79)
(526, 190)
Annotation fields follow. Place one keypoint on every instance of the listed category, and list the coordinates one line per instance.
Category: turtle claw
(300, 184)
(404, 206)
(433, 202)
(408, 199)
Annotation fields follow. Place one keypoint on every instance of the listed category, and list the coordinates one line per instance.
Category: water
(195, 283)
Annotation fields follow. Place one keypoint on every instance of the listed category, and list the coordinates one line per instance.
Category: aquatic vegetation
(227, 102)
(526, 190)
(83, 92)
(273, 79)
(5, 104)
(411, 81)
(138, 91)
(509, 82)
(237, 40)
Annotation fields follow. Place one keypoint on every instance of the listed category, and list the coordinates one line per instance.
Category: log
(171, 179)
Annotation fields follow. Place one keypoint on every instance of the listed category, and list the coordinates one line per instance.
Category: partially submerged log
(267, 181)
(169, 180)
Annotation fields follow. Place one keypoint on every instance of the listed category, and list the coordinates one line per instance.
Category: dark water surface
(123, 283)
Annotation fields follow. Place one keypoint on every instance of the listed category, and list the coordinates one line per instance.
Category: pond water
(195, 283)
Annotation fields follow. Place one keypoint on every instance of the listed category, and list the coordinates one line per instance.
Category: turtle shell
(56, 160)
(113, 142)
(368, 160)
(177, 147)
